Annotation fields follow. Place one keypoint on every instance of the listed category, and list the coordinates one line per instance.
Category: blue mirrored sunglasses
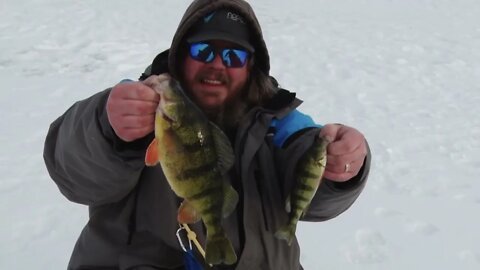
(231, 57)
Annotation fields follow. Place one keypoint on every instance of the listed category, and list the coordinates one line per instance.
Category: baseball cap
(224, 25)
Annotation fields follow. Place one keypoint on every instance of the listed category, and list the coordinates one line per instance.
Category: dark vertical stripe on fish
(308, 174)
(300, 198)
(204, 193)
(213, 208)
(212, 216)
(193, 173)
(196, 146)
(305, 187)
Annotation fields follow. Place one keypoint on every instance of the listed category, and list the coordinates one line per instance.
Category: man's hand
(346, 152)
(131, 110)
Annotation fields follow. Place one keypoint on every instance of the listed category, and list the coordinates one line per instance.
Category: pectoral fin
(226, 157)
(187, 213)
(151, 157)
(230, 200)
(288, 204)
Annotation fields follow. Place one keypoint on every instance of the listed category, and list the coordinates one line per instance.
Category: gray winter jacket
(132, 222)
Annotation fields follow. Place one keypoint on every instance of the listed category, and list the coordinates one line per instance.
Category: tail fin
(220, 250)
(286, 233)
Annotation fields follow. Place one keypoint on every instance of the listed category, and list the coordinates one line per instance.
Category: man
(95, 151)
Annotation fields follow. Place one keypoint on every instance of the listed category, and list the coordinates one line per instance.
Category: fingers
(342, 172)
(131, 110)
(135, 107)
(138, 122)
(348, 146)
(135, 91)
(342, 176)
(337, 163)
(343, 139)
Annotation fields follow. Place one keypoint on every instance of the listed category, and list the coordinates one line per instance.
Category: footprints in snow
(468, 255)
(409, 225)
(371, 247)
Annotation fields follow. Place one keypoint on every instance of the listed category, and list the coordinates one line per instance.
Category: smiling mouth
(212, 82)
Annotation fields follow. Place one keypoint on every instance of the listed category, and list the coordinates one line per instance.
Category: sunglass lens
(202, 52)
(206, 53)
(234, 57)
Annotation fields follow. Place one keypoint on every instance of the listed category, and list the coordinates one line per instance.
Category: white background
(404, 72)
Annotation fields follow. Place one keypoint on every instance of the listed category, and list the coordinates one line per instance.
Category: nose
(217, 62)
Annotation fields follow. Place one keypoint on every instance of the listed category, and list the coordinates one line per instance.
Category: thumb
(158, 82)
(329, 132)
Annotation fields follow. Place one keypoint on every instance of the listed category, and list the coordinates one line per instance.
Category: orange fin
(187, 213)
(151, 157)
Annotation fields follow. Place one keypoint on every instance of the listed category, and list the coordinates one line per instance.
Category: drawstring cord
(192, 237)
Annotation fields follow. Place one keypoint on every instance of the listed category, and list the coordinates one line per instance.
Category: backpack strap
(293, 122)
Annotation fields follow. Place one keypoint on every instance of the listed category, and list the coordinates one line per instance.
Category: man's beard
(228, 115)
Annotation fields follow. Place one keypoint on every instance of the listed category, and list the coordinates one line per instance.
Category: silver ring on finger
(347, 167)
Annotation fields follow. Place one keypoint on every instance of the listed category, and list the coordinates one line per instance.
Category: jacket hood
(199, 9)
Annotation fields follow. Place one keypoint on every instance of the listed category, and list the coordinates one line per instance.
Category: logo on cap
(235, 17)
(230, 16)
(222, 24)
(207, 18)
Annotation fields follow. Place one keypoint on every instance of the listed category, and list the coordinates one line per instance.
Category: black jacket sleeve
(85, 158)
(331, 198)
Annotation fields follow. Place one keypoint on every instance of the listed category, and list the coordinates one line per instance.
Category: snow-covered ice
(404, 72)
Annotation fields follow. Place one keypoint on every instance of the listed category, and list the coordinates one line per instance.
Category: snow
(404, 72)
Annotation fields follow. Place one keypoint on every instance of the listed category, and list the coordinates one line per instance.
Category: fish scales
(195, 157)
(308, 175)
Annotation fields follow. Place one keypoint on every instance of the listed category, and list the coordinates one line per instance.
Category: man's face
(212, 85)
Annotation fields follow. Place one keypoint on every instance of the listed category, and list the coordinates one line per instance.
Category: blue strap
(290, 124)
(190, 262)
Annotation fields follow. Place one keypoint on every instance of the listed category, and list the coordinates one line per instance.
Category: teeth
(212, 81)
